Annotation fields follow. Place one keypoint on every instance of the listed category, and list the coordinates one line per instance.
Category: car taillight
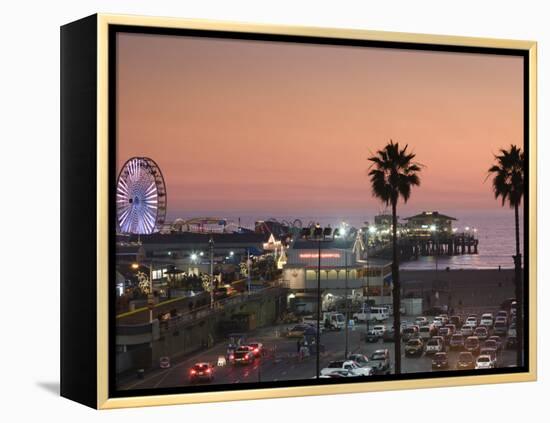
(231, 357)
(256, 350)
(208, 370)
(193, 371)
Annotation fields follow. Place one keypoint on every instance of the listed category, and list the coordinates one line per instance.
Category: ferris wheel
(140, 197)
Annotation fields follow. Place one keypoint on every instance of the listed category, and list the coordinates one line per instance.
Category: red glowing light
(323, 255)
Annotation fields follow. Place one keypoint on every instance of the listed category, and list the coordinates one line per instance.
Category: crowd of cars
(240, 355)
(477, 338)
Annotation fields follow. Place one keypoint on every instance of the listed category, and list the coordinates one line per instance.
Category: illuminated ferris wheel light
(140, 197)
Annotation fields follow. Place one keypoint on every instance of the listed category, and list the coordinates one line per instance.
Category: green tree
(393, 173)
(507, 183)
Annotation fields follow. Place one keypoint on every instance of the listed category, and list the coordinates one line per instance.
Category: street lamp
(248, 269)
(347, 306)
(211, 245)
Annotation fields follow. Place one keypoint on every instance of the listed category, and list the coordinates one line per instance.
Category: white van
(376, 313)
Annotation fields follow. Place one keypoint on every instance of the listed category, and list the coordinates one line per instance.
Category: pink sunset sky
(279, 129)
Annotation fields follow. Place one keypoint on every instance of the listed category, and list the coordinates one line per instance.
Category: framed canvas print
(254, 211)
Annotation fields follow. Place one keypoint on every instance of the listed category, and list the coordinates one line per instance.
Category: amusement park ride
(140, 197)
(141, 204)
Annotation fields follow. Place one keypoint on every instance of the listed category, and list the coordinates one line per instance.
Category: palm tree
(508, 174)
(392, 175)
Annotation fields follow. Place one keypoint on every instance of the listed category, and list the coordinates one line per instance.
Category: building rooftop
(430, 214)
(302, 244)
(198, 238)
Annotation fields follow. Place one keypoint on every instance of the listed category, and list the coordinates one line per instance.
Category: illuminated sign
(323, 255)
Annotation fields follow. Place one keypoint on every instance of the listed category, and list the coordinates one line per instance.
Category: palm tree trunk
(396, 291)
(518, 282)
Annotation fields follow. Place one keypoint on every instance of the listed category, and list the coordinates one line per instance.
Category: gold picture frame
(102, 22)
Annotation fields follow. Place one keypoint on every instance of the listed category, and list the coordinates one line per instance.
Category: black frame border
(113, 30)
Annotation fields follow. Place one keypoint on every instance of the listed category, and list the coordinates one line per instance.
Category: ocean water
(496, 234)
(495, 231)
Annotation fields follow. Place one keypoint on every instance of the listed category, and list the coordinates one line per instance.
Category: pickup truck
(346, 365)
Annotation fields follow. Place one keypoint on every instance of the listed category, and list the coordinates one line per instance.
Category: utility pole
(248, 269)
(347, 306)
(318, 335)
(211, 245)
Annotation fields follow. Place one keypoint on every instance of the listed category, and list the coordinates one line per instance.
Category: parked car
(484, 362)
(451, 327)
(380, 361)
(201, 372)
(512, 330)
(481, 332)
(502, 313)
(491, 352)
(434, 346)
(471, 320)
(472, 344)
(360, 359)
(346, 365)
(421, 321)
(438, 321)
(502, 319)
(379, 329)
(372, 336)
(456, 320)
(414, 347)
(426, 332)
(511, 342)
(298, 331)
(487, 320)
(440, 361)
(467, 330)
(444, 332)
(410, 333)
(456, 342)
(465, 361)
(372, 313)
(498, 341)
(500, 329)
(490, 343)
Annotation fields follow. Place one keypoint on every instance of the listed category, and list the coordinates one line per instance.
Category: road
(282, 361)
